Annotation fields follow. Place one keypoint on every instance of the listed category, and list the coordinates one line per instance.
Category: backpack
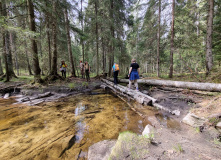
(117, 67)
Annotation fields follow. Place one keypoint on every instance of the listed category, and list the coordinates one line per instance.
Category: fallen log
(213, 87)
(136, 95)
(39, 96)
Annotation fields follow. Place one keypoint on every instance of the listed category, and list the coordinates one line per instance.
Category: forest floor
(175, 139)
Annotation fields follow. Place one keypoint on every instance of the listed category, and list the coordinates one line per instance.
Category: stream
(64, 129)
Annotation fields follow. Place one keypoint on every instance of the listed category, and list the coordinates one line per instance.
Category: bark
(39, 96)
(36, 67)
(9, 54)
(48, 37)
(212, 87)
(137, 96)
(54, 39)
(27, 59)
(82, 25)
(1, 70)
(3, 13)
(69, 44)
(103, 54)
(158, 44)
(172, 40)
(111, 47)
(97, 49)
(13, 48)
(209, 55)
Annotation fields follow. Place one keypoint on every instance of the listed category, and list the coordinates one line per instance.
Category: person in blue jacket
(134, 72)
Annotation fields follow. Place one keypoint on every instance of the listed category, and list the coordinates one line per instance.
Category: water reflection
(79, 109)
(166, 121)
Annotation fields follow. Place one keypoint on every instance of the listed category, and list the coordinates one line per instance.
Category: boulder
(131, 146)
(193, 120)
(148, 130)
(101, 150)
(214, 133)
(218, 126)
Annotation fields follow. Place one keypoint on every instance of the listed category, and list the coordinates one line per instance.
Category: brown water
(64, 129)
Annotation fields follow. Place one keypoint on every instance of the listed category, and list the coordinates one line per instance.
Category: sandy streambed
(63, 129)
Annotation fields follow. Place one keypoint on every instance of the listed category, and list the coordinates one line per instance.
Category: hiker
(82, 68)
(134, 72)
(115, 70)
(63, 69)
(87, 70)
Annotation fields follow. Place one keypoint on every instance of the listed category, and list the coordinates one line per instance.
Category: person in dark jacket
(87, 71)
(63, 68)
(134, 72)
(115, 70)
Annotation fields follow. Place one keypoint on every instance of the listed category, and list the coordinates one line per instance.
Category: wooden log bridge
(212, 87)
(135, 95)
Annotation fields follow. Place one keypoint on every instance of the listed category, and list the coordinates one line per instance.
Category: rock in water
(148, 130)
(6, 95)
(176, 112)
(193, 120)
(101, 150)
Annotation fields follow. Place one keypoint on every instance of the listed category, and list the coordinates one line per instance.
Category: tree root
(51, 78)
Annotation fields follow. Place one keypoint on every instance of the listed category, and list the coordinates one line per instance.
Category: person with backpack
(134, 72)
(63, 69)
(87, 71)
(82, 68)
(116, 71)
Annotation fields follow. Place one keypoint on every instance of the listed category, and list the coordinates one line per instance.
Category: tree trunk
(27, 58)
(111, 47)
(103, 53)
(69, 44)
(4, 13)
(97, 49)
(82, 25)
(172, 40)
(209, 55)
(110, 61)
(158, 44)
(37, 70)
(48, 36)
(13, 48)
(1, 70)
(213, 87)
(54, 39)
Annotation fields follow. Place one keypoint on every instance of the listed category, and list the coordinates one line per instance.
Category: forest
(169, 51)
(166, 38)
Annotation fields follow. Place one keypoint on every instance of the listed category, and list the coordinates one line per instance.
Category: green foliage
(197, 129)
(72, 85)
(214, 120)
(178, 148)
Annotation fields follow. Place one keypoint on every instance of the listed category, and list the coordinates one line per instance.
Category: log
(212, 87)
(136, 95)
(39, 96)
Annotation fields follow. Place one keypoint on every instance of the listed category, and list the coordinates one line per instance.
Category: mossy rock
(130, 146)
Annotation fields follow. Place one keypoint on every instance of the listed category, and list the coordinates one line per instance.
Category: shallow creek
(64, 129)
